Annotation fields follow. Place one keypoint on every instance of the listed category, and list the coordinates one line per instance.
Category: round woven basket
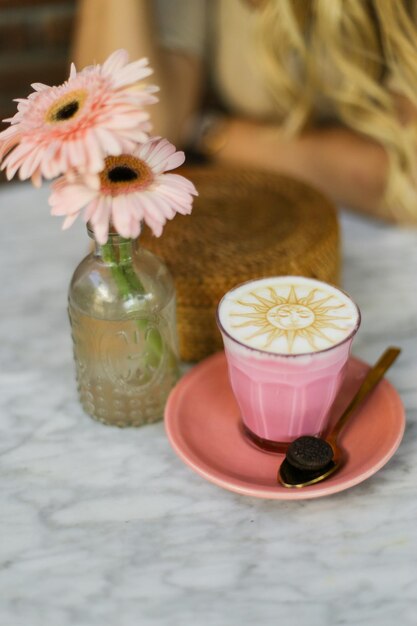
(245, 224)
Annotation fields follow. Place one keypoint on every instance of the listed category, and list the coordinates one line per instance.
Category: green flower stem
(154, 337)
(120, 279)
(127, 267)
(129, 284)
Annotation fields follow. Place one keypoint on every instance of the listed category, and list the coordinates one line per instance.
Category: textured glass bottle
(122, 312)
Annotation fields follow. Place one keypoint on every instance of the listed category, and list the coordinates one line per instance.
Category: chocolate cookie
(309, 453)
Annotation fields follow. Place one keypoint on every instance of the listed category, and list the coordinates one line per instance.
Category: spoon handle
(372, 378)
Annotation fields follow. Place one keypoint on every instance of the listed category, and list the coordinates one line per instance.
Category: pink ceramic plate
(203, 425)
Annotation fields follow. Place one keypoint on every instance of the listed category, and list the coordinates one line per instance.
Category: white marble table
(107, 527)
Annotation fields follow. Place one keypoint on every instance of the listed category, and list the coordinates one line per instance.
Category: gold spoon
(318, 458)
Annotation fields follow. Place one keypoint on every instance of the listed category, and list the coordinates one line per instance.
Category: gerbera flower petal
(39, 86)
(75, 154)
(100, 220)
(132, 73)
(155, 226)
(7, 133)
(70, 199)
(94, 152)
(151, 216)
(92, 181)
(121, 215)
(36, 178)
(145, 149)
(133, 136)
(30, 164)
(180, 182)
(179, 204)
(174, 161)
(150, 210)
(161, 155)
(116, 61)
(20, 153)
(135, 227)
(69, 220)
(163, 205)
(90, 209)
(73, 71)
(122, 121)
(160, 151)
(8, 144)
(111, 143)
(96, 112)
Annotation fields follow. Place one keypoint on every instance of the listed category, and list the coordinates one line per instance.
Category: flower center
(121, 174)
(67, 111)
(67, 107)
(125, 174)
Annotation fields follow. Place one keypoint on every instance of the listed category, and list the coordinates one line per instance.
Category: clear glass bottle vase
(122, 311)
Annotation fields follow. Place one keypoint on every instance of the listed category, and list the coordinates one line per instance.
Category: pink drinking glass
(285, 396)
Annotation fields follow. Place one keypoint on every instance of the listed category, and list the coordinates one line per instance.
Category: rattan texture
(245, 224)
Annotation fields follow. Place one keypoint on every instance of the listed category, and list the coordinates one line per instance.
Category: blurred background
(35, 41)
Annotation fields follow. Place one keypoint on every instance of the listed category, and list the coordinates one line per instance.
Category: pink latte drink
(287, 342)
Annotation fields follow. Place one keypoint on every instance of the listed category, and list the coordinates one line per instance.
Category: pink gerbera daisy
(96, 112)
(132, 187)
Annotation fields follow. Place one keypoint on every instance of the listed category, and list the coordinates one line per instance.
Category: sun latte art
(288, 315)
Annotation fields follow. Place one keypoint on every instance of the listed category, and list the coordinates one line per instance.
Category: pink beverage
(287, 342)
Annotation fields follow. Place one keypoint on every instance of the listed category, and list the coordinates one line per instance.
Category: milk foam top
(288, 315)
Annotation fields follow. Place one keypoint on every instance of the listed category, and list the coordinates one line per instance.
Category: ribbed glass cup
(285, 396)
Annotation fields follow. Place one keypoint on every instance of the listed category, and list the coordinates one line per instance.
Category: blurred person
(323, 90)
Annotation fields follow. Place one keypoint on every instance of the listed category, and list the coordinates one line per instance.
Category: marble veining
(107, 527)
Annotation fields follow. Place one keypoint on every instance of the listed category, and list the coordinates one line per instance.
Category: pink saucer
(203, 425)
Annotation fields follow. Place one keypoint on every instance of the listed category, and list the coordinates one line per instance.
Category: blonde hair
(339, 59)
